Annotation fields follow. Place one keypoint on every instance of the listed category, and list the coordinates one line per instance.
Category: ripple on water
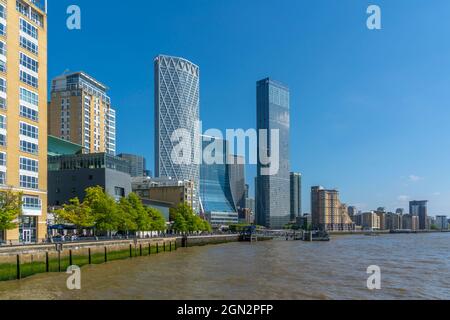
(411, 269)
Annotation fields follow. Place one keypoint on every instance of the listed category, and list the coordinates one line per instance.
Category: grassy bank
(27, 265)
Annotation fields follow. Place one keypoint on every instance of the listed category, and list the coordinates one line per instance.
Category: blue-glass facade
(215, 191)
(273, 191)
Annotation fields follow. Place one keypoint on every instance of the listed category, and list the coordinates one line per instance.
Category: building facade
(296, 195)
(23, 115)
(442, 222)
(420, 209)
(328, 213)
(70, 175)
(164, 190)
(273, 201)
(137, 164)
(410, 222)
(236, 173)
(393, 221)
(177, 107)
(216, 197)
(80, 111)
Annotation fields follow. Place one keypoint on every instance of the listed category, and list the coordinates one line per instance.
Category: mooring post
(131, 250)
(89, 256)
(106, 255)
(18, 268)
(47, 267)
(140, 249)
(157, 247)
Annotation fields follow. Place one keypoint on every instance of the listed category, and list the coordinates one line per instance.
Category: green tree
(104, 208)
(143, 218)
(10, 209)
(79, 214)
(180, 224)
(186, 220)
(127, 217)
(158, 223)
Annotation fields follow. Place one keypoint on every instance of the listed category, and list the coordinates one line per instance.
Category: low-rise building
(410, 222)
(70, 175)
(370, 221)
(442, 222)
(164, 190)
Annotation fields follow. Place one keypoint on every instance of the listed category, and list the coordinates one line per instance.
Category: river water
(415, 266)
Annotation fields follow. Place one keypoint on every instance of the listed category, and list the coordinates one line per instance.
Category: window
(2, 178)
(2, 29)
(29, 45)
(2, 48)
(2, 66)
(119, 192)
(29, 182)
(2, 85)
(29, 113)
(2, 11)
(2, 140)
(27, 96)
(28, 79)
(29, 147)
(2, 121)
(2, 159)
(28, 164)
(30, 202)
(2, 103)
(29, 130)
(28, 62)
(29, 29)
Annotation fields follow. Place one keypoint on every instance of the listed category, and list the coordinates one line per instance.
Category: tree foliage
(186, 220)
(10, 209)
(100, 211)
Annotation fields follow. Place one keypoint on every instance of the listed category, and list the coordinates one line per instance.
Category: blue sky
(370, 110)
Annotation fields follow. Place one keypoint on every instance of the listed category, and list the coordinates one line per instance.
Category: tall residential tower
(177, 112)
(23, 114)
(80, 112)
(273, 208)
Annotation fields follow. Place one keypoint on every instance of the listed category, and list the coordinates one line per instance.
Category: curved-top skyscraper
(177, 106)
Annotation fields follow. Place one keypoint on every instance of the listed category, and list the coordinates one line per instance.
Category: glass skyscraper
(296, 195)
(273, 191)
(177, 106)
(215, 191)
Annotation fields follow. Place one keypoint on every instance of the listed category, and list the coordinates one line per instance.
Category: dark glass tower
(420, 209)
(273, 209)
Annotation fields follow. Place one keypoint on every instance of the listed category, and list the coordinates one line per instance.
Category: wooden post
(89, 256)
(70, 257)
(47, 267)
(19, 276)
(131, 250)
(140, 249)
(157, 247)
(106, 255)
(59, 261)
(170, 246)
(164, 245)
(149, 248)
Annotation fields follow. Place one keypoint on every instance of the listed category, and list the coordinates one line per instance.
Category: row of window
(25, 146)
(26, 164)
(29, 130)
(28, 62)
(29, 29)
(27, 78)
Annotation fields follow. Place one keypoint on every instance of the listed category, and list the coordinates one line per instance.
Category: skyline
(348, 116)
